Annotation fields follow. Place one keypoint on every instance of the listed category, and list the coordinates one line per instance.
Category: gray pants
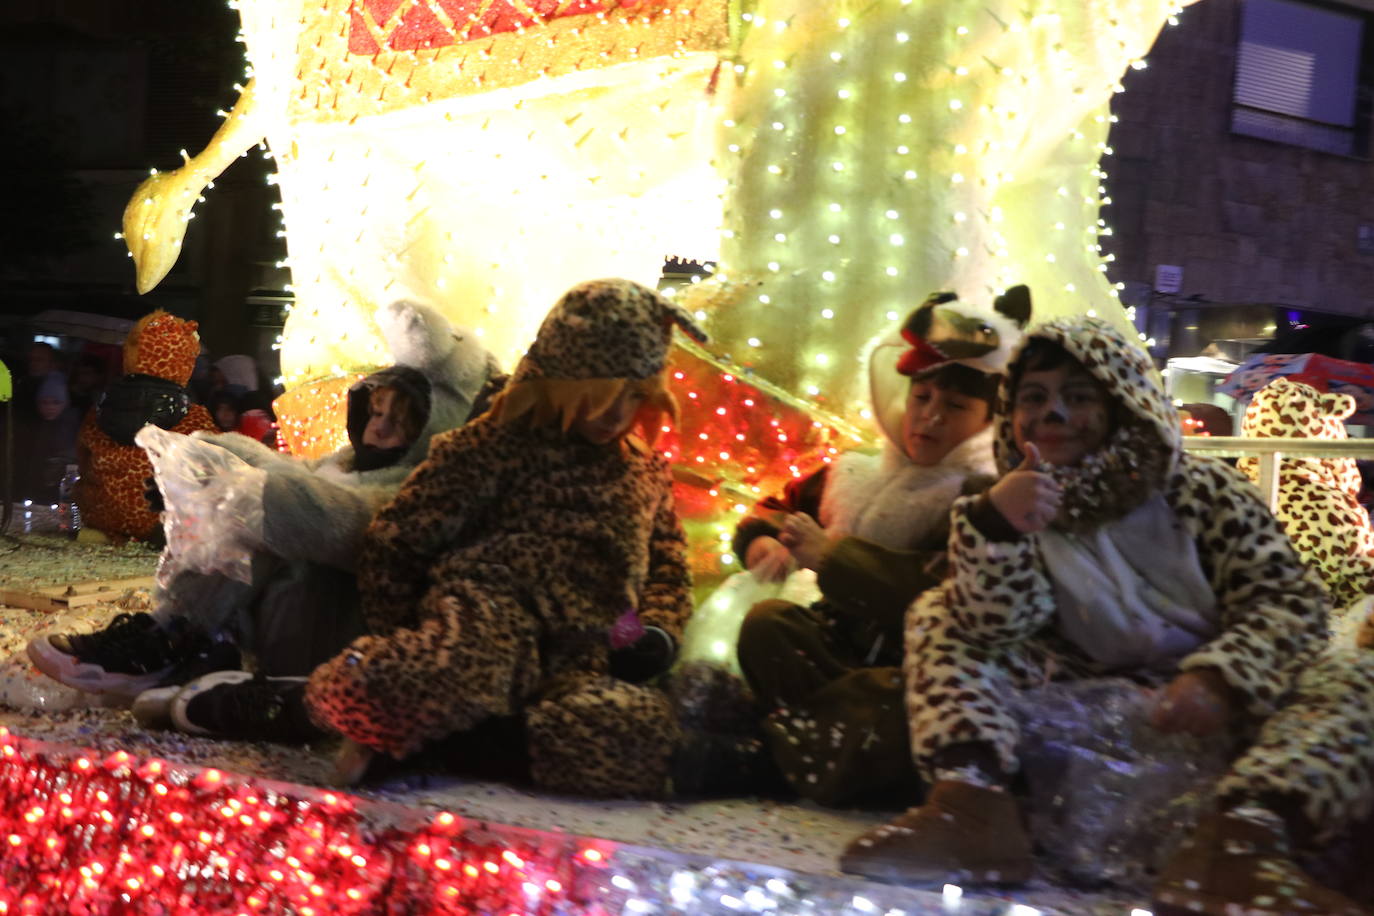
(289, 619)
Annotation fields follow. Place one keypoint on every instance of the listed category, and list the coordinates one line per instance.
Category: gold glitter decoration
(312, 418)
(334, 83)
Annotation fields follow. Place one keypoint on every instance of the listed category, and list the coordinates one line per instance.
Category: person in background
(236, 374)
(86, 381)
(40, 360)
(42, 457)
(226, 407)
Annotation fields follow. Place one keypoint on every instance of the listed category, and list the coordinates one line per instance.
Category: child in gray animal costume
(294, 527)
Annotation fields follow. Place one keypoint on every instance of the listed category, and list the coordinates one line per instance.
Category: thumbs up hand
(1027, 497)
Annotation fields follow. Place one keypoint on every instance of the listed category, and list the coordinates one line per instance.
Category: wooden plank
(55, 598)
(30, 600)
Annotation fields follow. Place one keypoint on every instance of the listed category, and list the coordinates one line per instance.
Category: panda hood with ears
(942, 330)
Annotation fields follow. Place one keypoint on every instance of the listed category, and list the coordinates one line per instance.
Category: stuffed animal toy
(1317, 501)
(159, 355)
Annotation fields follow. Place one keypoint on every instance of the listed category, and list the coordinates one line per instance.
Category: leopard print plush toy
(159, 355)
(1318, 497)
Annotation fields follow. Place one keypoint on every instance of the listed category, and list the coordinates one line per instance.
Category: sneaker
(153, 708)
(963, 833)
(1231, 864)
(245, 707)
(206, 657)
(132, 654)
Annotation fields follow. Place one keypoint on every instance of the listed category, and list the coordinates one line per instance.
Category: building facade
(1241, 186)
(94, 93)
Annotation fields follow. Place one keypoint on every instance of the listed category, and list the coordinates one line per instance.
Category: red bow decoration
(920, 357)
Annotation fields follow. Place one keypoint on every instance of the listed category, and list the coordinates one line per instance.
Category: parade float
(834, 161)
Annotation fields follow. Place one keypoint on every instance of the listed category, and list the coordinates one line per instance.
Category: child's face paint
(937, 420)
(1064, 411)
(613, 422)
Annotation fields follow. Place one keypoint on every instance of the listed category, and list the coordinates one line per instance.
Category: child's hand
(1027, 497)
(767, 559)
(1198, 702)
(806, 539)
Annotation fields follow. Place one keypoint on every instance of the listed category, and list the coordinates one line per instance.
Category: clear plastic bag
(713, 631)
(1109, 796)
(213, 518)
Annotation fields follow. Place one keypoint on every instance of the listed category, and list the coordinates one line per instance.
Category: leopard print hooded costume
(490, 583)
(1318, 497)
(993, 626)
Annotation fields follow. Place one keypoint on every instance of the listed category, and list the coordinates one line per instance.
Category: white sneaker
(153, 708)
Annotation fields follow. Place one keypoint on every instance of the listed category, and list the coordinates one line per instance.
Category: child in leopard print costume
(496, 580)
(1105, 549)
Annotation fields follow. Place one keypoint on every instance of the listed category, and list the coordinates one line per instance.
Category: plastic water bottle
(68, 514)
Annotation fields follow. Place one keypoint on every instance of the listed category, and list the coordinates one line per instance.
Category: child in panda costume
(873, 528)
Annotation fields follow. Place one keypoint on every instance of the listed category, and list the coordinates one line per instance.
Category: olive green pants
(838, 729)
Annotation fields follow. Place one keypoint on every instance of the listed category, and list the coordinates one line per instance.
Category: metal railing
(1270, 451)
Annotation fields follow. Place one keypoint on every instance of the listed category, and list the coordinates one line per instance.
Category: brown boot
(963, 833)
(1233, 865)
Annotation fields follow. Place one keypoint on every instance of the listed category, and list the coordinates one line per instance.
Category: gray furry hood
(443, 368)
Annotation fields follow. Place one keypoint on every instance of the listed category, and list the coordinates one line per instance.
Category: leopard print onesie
(111, 489)
(1318, 497)
(491, 582)
(991, 627)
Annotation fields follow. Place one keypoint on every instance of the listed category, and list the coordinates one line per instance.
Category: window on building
(1302, 76)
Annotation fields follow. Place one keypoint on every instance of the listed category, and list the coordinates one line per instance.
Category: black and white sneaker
(132, 654)
(244, 707)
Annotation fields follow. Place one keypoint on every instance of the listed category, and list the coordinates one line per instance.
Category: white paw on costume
(214, 504)
(1353, 625)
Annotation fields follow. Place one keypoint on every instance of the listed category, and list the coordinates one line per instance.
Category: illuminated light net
(838, 160)
(85, 832)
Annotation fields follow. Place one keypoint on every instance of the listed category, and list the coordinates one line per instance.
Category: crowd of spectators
(54, 388)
